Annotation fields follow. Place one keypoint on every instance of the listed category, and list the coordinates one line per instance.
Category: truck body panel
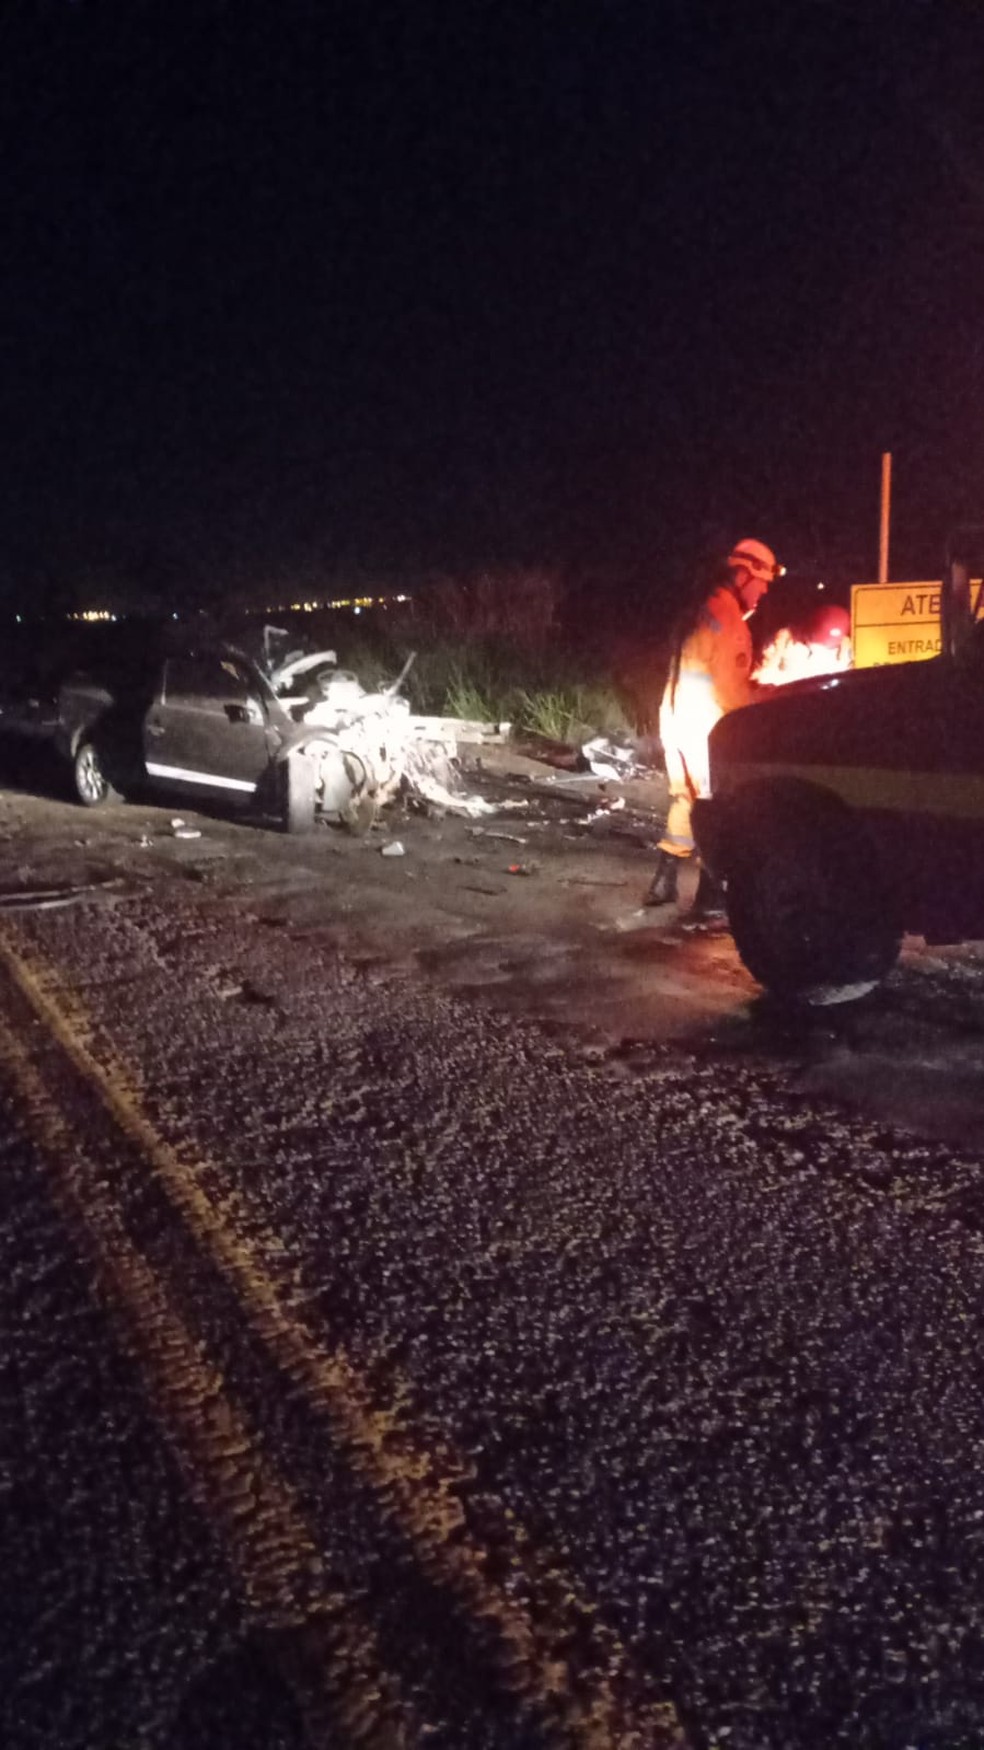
(888, 761)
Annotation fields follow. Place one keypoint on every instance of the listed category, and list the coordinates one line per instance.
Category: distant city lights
(357, 602)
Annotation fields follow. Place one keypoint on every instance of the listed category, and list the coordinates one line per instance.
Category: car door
(207, 728)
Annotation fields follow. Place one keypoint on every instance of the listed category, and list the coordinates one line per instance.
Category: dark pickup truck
(848, 809)
(125, 715)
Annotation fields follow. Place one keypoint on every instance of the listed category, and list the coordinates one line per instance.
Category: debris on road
(571, 778)
(591, 881)
(395, 848)
(437, 795)
(548, 752)
(506, 838)
(607, 806)
(612, 761)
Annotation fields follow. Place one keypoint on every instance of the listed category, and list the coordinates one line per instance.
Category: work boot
(663, 887)
(708, 910)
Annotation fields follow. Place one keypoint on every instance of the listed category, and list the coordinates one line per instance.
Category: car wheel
(90, 784)
(809, 913)
(297, 779)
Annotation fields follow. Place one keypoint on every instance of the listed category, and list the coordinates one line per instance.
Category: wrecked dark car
(300, 742)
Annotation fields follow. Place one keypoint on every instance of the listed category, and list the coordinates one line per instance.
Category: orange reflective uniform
(714, 677)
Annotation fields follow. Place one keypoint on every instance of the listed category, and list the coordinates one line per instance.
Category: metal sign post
(886, 516)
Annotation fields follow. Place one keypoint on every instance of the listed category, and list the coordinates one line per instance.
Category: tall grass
(573, 712)
(557, 697)
(491, 649)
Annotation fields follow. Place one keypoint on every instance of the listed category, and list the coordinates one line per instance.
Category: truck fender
(728, 827)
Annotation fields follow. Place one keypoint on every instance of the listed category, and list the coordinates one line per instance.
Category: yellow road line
(334, 1664)
(588, 1713)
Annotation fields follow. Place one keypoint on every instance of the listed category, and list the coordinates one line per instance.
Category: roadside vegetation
(507, 646)
(499, 649)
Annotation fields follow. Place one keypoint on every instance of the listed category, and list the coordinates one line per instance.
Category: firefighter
(710, 673)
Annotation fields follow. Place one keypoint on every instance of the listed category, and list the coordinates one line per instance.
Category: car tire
(297, 781)
(90, 784)
(808, 909)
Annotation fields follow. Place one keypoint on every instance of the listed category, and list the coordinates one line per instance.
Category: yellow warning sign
(895, 622)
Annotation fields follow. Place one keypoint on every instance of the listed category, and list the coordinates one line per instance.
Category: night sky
(312, 287)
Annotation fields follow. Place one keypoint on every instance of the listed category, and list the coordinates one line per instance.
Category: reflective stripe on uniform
(695, 677)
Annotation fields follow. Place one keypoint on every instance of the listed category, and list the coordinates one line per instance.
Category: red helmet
(828, 626)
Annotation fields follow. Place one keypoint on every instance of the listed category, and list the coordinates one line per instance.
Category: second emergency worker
(710, 673)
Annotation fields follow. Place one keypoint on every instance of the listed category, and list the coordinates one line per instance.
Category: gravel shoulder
(691, 1338)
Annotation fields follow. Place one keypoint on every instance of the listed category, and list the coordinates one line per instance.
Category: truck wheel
(90, 784)
(297, 793)
(808, 911)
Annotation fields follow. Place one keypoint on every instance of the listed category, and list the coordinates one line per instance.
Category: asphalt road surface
(439, 1308)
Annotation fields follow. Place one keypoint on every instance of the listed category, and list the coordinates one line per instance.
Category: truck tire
(90, 785)
(808, 910)
(297, 780)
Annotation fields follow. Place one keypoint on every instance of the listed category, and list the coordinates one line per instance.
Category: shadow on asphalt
(32, 768)
(241, 1702)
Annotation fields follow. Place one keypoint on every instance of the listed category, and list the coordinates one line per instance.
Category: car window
(205, 680)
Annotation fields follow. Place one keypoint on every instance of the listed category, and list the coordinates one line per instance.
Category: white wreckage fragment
(603, 811)
(611, 762)
(367, 747)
